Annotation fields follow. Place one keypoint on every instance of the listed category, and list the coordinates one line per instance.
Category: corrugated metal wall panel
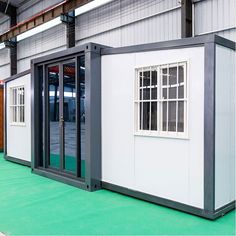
(130, 22)
(4, 71)
(27, 10)
(41, 44)
(24, 64)
(4, 24)
(215, 16)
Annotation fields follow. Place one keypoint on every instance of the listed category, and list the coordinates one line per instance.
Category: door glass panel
(82, 113)
(69, 116)
(54, 126)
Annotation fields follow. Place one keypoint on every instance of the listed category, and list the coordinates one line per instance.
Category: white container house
(153, 121)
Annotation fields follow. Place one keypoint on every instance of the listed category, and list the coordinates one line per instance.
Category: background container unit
(194, 172)
(18, 118)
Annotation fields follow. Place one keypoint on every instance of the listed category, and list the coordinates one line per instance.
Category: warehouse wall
(130, 22)
(225, 127)
(171, 168)
(33, 7)
(4, 53)
(215, 16)
(47, 42)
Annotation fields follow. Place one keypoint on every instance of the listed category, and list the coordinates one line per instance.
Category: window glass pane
(164, 76)
(172, 116)
(146, 78)
(181, 74)
(154, 116)
(172, 82)
(154, 85)
(140, 85)
(146, 85)
(172, 92)
(180, 116)
(146, 115)
(181, 91)
(164, 115)
(140, 115)
(164, 93)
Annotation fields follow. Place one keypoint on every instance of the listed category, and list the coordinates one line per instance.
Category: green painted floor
(34, 205)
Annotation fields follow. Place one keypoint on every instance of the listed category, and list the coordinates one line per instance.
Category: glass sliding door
(69, 117)
(64, 132)
(54, 125)
(81, 115)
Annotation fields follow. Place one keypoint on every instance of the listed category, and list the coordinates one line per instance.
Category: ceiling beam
(42, 17)
(7, 9)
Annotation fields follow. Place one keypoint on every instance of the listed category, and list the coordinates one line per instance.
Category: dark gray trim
(18, 161)
(26, 72)
(60, 178)
(223, 210)
(5, 119)
(172, 44)
(186, 18)
(225, 42)
(70, 52)
(93, 116)
(158, 200)
(209, 127)
(169, 203)
(179, 43)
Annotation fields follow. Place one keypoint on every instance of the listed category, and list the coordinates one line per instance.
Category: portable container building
(153, 121)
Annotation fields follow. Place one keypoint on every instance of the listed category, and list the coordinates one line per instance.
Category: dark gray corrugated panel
(129, 22)
(215, 16)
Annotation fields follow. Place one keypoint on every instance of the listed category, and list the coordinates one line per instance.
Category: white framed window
(17, 105)
(161, 100)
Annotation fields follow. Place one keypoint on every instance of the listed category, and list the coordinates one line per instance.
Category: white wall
(164, 167)
(225, 127)
(19, 137)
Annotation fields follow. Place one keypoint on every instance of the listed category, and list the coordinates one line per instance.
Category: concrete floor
(34, 205)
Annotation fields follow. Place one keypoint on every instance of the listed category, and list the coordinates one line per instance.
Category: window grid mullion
(150, 98)
(142, 103)
(167, 103)
(177, 103)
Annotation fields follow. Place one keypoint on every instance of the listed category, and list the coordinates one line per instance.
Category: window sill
(18, 124)
(161, 135)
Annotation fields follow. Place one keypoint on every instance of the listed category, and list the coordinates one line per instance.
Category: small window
(17, 105)
(161, 100)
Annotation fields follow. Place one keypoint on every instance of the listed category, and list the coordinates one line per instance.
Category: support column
(69, 20)
(186, 18)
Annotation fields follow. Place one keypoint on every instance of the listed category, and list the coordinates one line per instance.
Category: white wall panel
(129, 22)
(225, 127)
(164, 167)
(19, 137)
(214, 16)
